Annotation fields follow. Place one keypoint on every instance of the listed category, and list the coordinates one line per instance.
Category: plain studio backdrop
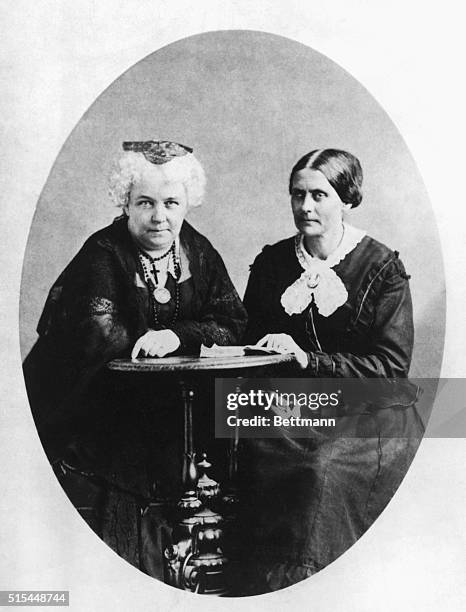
(250, 104)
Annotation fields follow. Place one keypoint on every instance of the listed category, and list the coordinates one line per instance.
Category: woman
(340, 301)
(150, 285)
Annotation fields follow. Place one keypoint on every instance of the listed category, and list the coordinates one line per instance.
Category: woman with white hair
(148, 284)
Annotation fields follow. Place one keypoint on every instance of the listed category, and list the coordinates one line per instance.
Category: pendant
(313, 280)
(162, 295)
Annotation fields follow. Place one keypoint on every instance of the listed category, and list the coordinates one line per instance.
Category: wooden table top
(182, 364)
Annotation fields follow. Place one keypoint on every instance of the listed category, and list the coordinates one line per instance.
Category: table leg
(189, 470)
(233, 452)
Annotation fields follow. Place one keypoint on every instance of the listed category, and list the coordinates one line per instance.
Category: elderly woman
(150, 285)
(340, 301)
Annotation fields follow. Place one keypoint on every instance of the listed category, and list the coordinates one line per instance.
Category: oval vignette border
(248, 119)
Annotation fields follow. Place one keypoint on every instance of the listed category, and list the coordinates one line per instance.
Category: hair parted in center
(341, 169)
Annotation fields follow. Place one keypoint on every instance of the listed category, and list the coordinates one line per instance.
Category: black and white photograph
(237, 203)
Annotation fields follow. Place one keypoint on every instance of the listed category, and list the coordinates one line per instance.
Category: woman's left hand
(283, 343)
(156, 343)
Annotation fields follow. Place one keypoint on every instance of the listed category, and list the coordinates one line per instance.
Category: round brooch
(313, 280)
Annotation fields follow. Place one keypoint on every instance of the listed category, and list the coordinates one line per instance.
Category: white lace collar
(351, 238)
(319, 281)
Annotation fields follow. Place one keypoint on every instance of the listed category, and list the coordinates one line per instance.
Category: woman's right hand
(156, 343)
(284, 343)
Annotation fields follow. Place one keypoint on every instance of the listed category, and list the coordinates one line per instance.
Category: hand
(156, 343)
(283, 343)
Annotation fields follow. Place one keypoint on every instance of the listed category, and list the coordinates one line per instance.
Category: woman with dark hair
(340, 301)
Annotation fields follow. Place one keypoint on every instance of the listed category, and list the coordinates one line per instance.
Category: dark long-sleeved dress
(122, 432)
(311, 499)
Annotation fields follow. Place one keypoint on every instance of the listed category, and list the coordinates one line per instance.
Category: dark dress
(114, 438)
(310, 499)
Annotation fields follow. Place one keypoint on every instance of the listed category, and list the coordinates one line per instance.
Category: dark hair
(341, 169)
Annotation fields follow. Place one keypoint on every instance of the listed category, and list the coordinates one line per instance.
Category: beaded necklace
(157, 294)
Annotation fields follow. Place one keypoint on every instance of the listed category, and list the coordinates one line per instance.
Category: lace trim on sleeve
(100, 305)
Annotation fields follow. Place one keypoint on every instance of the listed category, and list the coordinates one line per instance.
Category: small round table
(235, 366)
(189, 368)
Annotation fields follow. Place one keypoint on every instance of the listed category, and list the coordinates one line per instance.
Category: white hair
(185, 169)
